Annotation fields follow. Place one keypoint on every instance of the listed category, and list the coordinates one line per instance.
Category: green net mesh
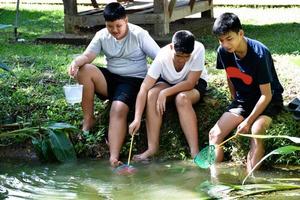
(206, 157)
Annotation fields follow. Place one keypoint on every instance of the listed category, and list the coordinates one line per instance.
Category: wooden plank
(93, 20)
(181, 12)
(159, 17)
(91, 12)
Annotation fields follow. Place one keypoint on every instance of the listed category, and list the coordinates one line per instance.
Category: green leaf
(63, 126)
(28, 132)
(43, 149)
(253, 189)
(48, 151)
(293, 139)
(61, 146)
(37, 145)
(281, 150)
(286, 150)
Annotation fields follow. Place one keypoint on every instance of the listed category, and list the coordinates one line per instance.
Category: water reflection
(88, 179)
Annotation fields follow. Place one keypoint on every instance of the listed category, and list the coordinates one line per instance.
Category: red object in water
(125, 170)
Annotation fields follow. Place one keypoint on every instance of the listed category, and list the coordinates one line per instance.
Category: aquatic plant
(232, 191)
(50, 141)
(281, 150)
(206, 157)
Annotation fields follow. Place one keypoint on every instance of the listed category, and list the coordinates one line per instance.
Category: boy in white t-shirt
(177, 71)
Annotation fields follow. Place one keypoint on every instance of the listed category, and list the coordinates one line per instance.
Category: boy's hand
(161, 103)
(244, 127)
(134, 126)
(73, 69)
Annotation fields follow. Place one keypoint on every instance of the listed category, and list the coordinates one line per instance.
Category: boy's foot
(115, 162)
(82, 135)
(144, 157)
(140, 159)
(88, 124)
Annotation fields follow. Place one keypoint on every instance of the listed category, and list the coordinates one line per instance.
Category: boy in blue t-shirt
(253, 83)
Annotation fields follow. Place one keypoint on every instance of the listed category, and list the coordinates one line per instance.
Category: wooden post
(161, 27)
(70, 7)
(70, 11)
(208, 13)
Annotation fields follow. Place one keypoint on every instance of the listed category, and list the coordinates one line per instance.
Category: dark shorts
(245, 108)
(121, 88)
(201, 86)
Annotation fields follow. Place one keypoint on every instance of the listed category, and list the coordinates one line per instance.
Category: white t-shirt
(163, 65)
(125, 57)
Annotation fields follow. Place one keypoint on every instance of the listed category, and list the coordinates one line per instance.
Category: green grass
(279, 38)
(35, 95)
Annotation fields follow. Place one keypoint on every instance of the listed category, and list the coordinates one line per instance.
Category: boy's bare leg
(93, 81)
(153, 123)
(221, 129)
(188, 120)
(117, 130)
(257, 149)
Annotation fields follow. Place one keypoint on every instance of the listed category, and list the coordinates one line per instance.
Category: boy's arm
(262, 103)
(141, 99)
(185, 85)
(231, 88)
(85, 58)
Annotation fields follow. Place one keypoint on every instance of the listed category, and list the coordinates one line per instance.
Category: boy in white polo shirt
(125, 47)
(177, 71)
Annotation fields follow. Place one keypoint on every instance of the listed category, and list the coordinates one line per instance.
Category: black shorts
(121, 88)
(245, 108)
(201, 85)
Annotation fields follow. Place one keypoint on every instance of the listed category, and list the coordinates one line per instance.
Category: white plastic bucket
(73, 93)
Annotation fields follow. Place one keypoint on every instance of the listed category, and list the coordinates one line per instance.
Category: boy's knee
(118, 111)
(86, 70)
(181, 100)
(152, 96)
(259, 128)
(261, 125)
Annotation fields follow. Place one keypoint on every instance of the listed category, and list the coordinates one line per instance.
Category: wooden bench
(158, 13)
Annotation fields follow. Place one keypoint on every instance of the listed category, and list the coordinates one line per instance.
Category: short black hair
(114, 11)
(183, 41)
(225, 23)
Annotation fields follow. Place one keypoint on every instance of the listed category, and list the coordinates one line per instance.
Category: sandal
(296, 113)
(293, 105)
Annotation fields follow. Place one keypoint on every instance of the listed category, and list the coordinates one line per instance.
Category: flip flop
(294, 104)
(296, 113)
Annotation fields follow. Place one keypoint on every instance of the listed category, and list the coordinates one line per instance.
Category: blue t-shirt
(248, 73)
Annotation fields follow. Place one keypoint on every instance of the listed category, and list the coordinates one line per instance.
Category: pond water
(88, 179)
